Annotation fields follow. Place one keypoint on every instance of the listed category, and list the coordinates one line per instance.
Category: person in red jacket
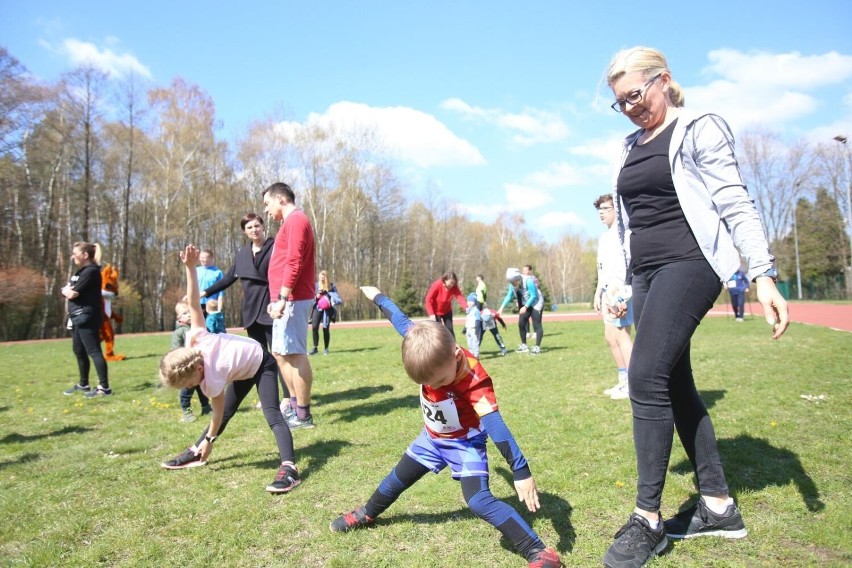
(439, 299)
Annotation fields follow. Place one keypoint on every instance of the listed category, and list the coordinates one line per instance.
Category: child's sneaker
(620, 392)
(206, 409)
(286, 480)
(636, 543)
(503, 351)
(189, 458)
(313, 351)
(188, 416)
(325, 352)
(699, 520)
(294, 422)
(546, 558)
(352, 520)
(535, 350)
(98, 392)
(77, 388)
(522, 348)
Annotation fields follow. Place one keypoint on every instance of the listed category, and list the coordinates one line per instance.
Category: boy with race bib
(460, 413)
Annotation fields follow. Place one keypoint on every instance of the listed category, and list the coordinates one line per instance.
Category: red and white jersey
(453, 411)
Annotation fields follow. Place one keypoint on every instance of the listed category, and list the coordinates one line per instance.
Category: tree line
(143, 170)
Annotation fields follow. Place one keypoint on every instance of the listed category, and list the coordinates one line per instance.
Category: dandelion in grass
(773, 424)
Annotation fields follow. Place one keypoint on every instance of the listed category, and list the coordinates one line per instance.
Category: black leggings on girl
(266, 380)
(477, 495)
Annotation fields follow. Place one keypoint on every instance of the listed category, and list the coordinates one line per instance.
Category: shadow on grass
(15, 438)
(332, 351)
(375, 408)
(553, 508)
(22, 459)
(359, 393)
(310, 458)
(711, 397)
(754, 464)
(4, 408)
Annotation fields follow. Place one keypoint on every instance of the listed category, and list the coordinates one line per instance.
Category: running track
(834, 316)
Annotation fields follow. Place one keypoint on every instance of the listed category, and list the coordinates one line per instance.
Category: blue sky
(494, 106)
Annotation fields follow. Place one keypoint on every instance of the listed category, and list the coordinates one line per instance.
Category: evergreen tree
(409, 300)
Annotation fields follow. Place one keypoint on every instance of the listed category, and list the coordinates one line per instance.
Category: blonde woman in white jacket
(681, 199)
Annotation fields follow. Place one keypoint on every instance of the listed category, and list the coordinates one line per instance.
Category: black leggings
(524, 325)
(87, 343)
(263, 335)
(316, 321)
(267, 389)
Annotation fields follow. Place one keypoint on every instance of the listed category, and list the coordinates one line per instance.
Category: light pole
(842, 139)
(796, 247)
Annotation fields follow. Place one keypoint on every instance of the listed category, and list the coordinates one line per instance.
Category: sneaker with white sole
(699, 520)
(99, 392)
(294, 422)
(77, 388)
(535, 350)
(286, 410)
(189, 458)
(620, 392)
(188, 416)
(286, 480)
(522, 348)
(636, 544)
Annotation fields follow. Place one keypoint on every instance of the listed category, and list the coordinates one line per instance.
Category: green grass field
(80, 482)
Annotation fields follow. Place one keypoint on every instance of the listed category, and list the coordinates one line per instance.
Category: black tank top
(660, 233)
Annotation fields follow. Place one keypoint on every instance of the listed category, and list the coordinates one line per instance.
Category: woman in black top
(250, 267)
(83, 292)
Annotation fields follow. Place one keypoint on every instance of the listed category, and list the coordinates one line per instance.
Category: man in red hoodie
(439, 299)
(292, 273)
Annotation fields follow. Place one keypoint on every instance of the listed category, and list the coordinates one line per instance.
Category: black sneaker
(352, 520)
(699, 520)
(188, 458)
(206, 409)
(286, 480)
(98, 392)
(77, 388)
(636, 544)
(294, 422)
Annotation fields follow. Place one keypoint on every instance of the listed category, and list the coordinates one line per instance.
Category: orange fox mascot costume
(109, 291)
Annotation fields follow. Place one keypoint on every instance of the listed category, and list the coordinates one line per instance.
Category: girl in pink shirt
(226, 367)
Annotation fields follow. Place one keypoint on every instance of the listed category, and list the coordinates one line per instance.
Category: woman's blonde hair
(179, 365)
(323, 280)
(650, 62)
(425, 346)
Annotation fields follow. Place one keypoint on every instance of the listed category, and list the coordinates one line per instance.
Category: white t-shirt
(612, 268)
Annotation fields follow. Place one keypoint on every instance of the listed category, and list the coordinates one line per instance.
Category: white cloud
(766, 88)
(532, 126)
(785, 70)
(559, 219)
(409, 134)
(114, 64)
(522, 197)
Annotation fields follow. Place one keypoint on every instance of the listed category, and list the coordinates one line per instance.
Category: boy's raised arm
(399, 320)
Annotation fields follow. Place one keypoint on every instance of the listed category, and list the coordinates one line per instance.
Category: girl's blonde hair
(650, 62)
(323, 281)
(179, 365)
(426, 346)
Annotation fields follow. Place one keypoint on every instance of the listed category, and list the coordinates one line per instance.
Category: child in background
(460, 412)
(473, 325)
(179, 340)
(226, 367)
(215, 320)
(489, 323)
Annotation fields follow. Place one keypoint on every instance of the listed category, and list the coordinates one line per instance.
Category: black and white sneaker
(77, 388)
(189, 458)
(286, 480)
(699, 520)
(98, 392)
(636, 544)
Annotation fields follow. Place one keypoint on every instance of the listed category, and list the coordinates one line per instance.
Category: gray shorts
(290, 331)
